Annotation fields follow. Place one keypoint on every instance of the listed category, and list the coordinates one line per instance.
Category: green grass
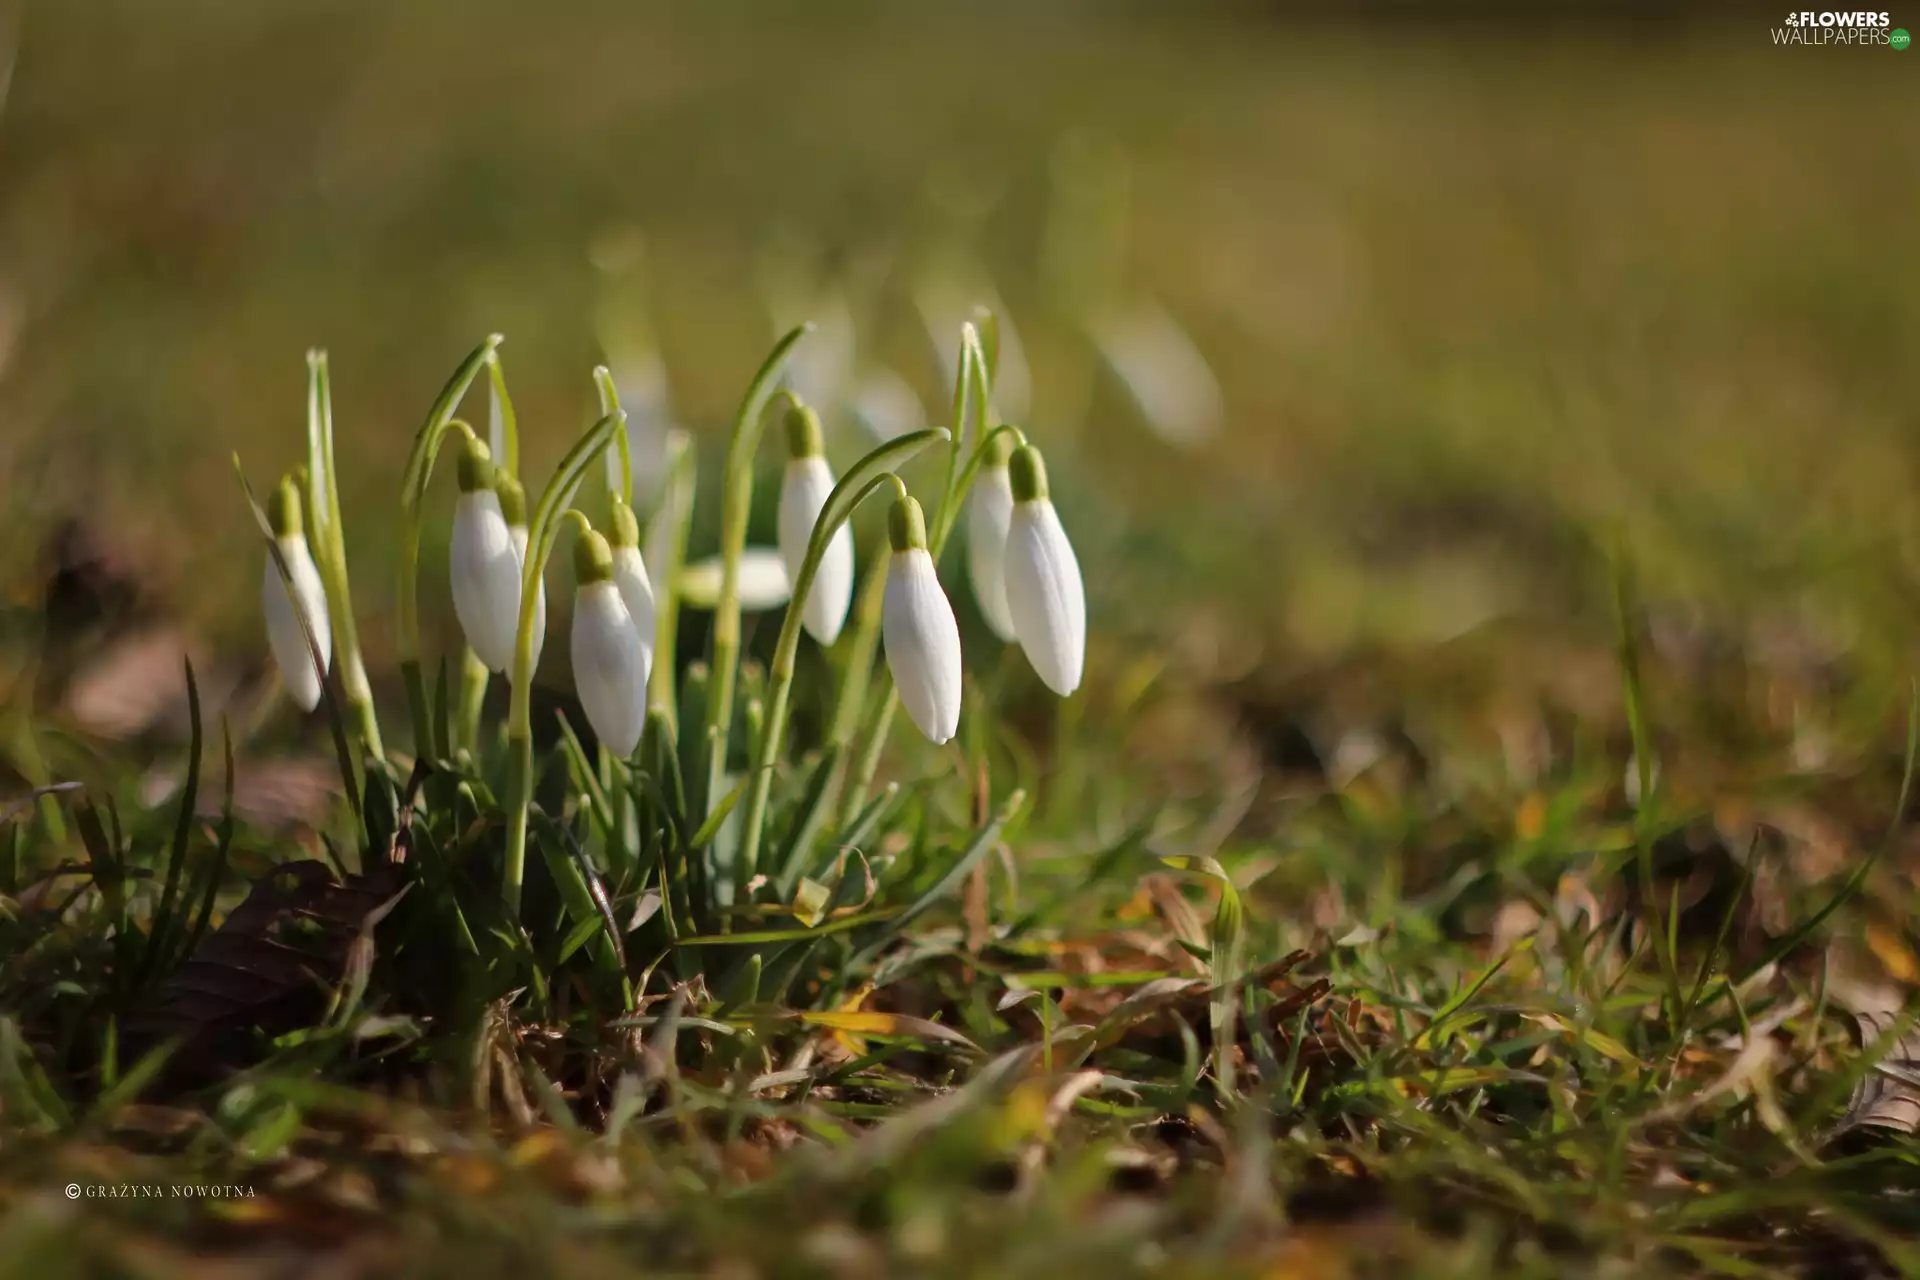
(1431, 1031)
(1566, 443)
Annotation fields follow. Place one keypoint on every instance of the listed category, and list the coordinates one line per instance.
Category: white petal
(989, 512)
(802, 497)
(486, 579)
(610, 663)
(923, 644)
(284, 633)
(1045, 596)
(763, 581)
(518, 533)
(636, 588)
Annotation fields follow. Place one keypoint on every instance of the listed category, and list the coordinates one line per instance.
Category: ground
(1484, 711)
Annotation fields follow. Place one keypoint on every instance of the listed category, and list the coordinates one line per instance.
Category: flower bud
(1046, 598)
(485, 567)
(611, 658)
(917, 624)
(803, 496)
(285, 635)
(989, 513)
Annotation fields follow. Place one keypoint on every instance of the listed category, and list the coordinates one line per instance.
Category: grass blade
(160, 934)
(948, 884)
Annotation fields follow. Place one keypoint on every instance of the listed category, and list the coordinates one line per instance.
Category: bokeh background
(1358, 346)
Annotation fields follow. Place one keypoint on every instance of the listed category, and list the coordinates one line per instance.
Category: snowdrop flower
(630, 568)
(989, 513)
(611, 658)
(513, 508)
(763, 581)
(485, 567)
(284, 633)
(916, 621)
(803, 495)
(1045, 596)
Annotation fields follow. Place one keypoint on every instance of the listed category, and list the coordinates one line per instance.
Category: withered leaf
(1887, 1099)
(267, 970)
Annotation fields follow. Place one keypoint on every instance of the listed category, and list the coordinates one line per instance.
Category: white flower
(285, 635)
(916, 621)
(989, 513)
(803, 495)
(611, 657)
(1045, 595)
(485, 566)
(763, 581)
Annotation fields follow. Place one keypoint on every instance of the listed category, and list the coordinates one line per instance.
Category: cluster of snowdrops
(1021, 568)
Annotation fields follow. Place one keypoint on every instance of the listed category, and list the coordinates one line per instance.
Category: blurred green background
(1345, 338)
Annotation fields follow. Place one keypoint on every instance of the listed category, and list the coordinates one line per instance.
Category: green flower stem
(474, 678)
(865, 476)
(945, 510)
(971, 394)
(610, 403)
(413, 489)
(676, 507)
(736, 502)
(412, 673)
(860, 780)
(856, 675)
(330, 553)
(554, 508)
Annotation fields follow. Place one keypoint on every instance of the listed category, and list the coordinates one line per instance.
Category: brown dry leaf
(267, 968)
(1888, 1097)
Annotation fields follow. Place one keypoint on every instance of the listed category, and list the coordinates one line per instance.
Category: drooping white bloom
(803, 495)
(989, 513)
(611, 658)
(917, 624)
(285, 635)
(1045, 595)
(630, 568)
(484, 565)
(763, 581)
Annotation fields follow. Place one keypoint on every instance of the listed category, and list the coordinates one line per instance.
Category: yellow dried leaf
(1531, 820)
(1893, 953)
